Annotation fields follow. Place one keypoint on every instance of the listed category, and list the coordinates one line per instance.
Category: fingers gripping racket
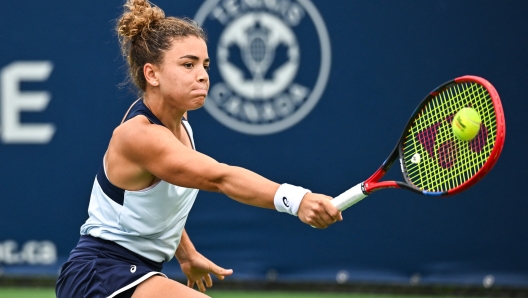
(433, 161)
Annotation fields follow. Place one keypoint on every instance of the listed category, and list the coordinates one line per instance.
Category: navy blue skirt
(100, 268)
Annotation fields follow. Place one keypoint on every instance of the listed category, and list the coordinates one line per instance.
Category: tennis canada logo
(271, 61)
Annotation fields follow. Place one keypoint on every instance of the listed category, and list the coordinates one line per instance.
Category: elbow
(219, 178)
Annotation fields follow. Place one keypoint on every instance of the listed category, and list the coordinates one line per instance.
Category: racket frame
(372, 184)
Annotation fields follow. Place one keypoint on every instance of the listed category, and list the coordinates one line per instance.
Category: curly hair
(145, 34)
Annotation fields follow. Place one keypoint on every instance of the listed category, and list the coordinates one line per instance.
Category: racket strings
(435, 160)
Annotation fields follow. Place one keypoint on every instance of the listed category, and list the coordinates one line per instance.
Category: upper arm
(154, 149)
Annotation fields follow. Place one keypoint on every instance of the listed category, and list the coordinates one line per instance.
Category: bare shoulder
(134, 145)
(137, 125)
(145, 143)
(138, 132)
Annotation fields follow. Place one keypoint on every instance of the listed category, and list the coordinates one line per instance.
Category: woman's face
(183, 78)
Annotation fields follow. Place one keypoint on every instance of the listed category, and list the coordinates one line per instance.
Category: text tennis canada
(260, 85)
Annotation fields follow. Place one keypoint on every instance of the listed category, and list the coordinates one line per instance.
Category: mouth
(202, 92)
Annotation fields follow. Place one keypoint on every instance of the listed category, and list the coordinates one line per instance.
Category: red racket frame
(372, 183)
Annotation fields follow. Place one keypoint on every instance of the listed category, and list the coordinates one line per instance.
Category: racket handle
(349, 197)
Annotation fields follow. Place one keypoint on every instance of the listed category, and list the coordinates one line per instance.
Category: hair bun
(138, 16)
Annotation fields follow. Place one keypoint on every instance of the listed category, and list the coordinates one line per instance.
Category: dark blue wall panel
(385, 57)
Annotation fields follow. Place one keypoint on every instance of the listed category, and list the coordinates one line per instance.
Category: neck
(168, 114)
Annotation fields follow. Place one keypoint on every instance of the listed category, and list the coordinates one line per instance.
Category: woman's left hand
(198, 270)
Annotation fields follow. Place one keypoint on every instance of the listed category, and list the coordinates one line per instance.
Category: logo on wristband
(285, 201)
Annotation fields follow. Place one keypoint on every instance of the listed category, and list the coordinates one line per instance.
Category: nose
(203, 76)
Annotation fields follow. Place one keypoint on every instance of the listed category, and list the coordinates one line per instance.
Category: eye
(188, 65)
(207, 67)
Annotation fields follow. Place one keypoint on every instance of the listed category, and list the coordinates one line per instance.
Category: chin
(198, 103)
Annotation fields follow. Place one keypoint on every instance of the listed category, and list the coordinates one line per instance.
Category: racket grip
(349, 197)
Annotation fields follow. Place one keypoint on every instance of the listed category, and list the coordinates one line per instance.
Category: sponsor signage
(14, 101)
(268, 77)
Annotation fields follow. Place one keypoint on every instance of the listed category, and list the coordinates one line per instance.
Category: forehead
(189, 45)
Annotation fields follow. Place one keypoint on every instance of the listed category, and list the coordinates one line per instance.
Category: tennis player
(151, 174)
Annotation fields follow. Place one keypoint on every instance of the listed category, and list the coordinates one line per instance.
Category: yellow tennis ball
(466, 124)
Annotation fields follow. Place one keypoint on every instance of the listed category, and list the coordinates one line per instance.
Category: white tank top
(149, 222)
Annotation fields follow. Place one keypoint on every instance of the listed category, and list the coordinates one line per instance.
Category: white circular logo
(273, 59)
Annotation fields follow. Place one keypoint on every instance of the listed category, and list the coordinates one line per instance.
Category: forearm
(248, 187)
(185, 249)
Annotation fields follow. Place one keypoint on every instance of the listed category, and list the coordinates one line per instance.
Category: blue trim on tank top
(113, 192)
(139, 108)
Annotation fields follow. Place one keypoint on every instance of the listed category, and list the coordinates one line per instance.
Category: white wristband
(288, 198)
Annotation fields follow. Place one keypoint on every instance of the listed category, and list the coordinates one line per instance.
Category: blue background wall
(386, 56)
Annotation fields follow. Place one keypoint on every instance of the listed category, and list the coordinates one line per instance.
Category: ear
(150, 72)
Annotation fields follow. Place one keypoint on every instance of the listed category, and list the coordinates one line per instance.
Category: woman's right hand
(318, 211)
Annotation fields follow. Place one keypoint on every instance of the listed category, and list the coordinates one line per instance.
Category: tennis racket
(433, 161)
